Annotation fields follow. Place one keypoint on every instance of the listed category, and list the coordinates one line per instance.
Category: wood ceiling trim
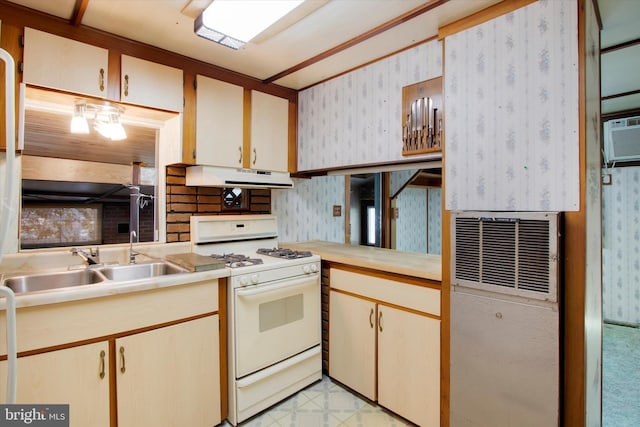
(78, 12)
(482, 16)
(359, 39)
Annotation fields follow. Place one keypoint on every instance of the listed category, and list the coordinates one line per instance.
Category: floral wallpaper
(411, 224)
(621, 246)
(434, 220)
(305, 212)
(511, 103)
(355, 119)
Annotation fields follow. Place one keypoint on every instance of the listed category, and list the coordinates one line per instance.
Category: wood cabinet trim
(482, 16)
(246, 130)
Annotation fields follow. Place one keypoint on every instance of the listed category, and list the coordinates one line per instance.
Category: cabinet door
(150, 84)
(65, 64)
(409, 365)
(70, 376)
(352, 343)
(170, 376)
(269, 132)
(219, 123)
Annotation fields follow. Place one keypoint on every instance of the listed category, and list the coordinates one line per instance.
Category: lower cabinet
(165, 378)
(384, 351)
(78, 376)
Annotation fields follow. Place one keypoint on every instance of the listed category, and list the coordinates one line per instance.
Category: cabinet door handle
(102, 355)
(101, 80)
(371, 318)
(255, 156)
(122, 365)
(240, 159)
(380, 321)
(126, 85)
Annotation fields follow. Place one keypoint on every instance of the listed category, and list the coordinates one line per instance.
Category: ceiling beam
(619, 46)
(78, 12)
(359, 39)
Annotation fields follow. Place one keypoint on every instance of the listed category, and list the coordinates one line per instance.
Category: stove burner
(284, 253)
(237, 260)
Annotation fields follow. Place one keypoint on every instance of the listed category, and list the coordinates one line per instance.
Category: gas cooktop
(283, 253)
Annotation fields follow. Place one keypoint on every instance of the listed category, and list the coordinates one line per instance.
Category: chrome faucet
(91, 258)
(132, 254)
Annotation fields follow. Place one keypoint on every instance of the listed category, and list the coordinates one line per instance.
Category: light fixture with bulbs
(105, 118)
(233, 23)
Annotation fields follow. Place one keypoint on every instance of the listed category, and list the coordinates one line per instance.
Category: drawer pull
(371, 318)
(101, 80)
(122, 365)
(102, 355)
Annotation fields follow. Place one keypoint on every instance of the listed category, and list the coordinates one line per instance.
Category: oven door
(275, 321)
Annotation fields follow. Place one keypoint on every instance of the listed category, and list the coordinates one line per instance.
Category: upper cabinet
(269, 132)
(151, 85)
(355, 119)
(219, 123)
(59, 63)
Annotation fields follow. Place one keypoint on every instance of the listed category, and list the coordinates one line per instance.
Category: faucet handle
(95, 251)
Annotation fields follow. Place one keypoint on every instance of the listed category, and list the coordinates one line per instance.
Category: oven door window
(275, 321)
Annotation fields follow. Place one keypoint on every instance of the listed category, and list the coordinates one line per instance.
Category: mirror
(83, 189)
(414, 223)
(416, 206)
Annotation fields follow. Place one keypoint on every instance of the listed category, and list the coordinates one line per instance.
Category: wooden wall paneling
(9, 41)
(293, 137)
(484, 15)
(113, 76)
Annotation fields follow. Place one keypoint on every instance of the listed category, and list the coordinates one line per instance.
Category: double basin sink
(90, 276)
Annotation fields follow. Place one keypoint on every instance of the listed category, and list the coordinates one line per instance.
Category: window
(56, 225)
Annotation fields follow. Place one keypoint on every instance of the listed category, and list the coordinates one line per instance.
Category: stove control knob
(314, 268)
(244, 281)
(254, 279)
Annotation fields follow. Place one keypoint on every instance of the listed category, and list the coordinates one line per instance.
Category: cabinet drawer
(407, 295)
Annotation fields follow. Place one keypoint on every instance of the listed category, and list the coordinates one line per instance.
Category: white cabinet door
(352, 343)
(70, 376)
(150, 84)
(409, 365)
(269, 132)
(60, 63)
(219, 123)
(170, 376)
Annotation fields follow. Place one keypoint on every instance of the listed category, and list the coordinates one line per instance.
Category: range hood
(213, 176)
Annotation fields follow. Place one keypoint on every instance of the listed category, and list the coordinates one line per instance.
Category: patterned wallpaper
(434, 220)
(511, 102)
(355, 119)
(621, 246)
(411, 224)
(305, 212)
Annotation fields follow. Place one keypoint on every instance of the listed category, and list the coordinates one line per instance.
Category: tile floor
(324, 404)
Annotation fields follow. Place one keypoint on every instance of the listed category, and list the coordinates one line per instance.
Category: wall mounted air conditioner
(513, 253)
(622, 139)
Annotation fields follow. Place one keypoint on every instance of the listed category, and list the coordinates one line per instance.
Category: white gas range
(273, 310)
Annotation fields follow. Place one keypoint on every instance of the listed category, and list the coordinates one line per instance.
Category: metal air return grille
(512, 253)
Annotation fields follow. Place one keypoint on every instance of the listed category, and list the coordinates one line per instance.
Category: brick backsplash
(183, 202)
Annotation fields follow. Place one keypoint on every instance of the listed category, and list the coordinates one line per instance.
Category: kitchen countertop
(38, 262)
(424, 266)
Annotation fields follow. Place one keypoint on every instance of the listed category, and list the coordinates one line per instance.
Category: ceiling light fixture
(105, 117)
(233, 23)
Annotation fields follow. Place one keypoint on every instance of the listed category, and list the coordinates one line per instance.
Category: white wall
(621, 246)
(305, 212)
(511, 108)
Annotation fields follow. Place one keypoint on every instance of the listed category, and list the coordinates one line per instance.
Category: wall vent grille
(506, 252)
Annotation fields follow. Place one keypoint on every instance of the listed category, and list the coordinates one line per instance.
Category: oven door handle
(280, 285)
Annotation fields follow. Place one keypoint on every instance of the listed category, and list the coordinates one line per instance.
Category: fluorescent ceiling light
(235, 22)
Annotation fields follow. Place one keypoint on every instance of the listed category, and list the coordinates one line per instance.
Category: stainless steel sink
(64, 279)
(140, 271)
